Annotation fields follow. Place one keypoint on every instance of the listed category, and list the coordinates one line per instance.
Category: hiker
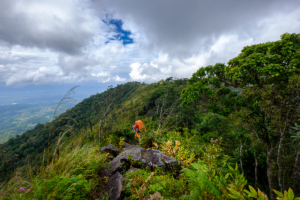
(137, 127)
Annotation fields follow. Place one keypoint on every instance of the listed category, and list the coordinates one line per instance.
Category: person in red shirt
(136, 128)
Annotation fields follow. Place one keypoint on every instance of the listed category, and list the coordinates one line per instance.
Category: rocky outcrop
(114, 186)
(112, 167)
(137, 156)
(150, 158)
(144, 157)
(111, 149)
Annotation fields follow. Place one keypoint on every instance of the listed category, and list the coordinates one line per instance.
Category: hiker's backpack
(140, 125)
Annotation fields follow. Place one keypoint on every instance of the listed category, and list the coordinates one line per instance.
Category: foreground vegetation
(233, 128)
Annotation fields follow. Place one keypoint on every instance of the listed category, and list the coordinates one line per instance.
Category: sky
(108, 42)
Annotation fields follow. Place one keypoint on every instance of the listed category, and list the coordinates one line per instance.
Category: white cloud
(67, 41)
(104, 77)
(270, 28)
(119, 79)
(162, 67)
(100, 74)
(136, 70)
(44, 69)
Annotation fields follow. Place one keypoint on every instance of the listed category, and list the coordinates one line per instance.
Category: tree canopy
(261, 84)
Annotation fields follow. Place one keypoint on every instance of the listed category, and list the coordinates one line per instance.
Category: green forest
(233, 127)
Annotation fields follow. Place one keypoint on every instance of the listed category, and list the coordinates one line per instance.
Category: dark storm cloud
(23, 23)
(183, 28)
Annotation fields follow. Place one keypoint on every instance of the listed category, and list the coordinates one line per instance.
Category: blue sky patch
(121, 34)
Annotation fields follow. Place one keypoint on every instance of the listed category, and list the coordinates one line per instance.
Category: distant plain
(21, 108)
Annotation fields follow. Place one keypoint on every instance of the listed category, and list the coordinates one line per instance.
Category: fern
(199, 182)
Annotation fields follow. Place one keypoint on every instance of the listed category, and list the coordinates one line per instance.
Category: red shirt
(136, 126)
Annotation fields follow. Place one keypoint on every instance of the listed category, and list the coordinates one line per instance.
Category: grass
(72, 173)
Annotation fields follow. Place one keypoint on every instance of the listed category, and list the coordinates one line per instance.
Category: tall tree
(166, 105)
(103, 106)
(267, 76)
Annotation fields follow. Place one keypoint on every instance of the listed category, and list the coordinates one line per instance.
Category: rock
(112, 167)
(114, 186)
(111, 149)
(149, 158)
(130, 153)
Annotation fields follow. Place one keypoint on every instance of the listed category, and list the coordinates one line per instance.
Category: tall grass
(66, 98)
(72, 172)
(71, 175)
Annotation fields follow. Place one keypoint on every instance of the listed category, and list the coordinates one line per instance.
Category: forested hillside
(234, 129)
(26, 148)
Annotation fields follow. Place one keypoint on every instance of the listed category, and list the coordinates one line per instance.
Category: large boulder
(147, 158)
(132, 154)
(111, 149)
(112, 167)
(114, 186)
(150, 158)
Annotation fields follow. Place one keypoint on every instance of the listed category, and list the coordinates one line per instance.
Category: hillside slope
(231, 127)
(27, 147)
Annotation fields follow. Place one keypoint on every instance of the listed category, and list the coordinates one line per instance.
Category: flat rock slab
(114, 186)
(111, 149)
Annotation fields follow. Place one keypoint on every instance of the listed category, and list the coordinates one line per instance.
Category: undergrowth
(71, 175)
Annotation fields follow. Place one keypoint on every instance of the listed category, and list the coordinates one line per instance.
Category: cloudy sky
(110, 42)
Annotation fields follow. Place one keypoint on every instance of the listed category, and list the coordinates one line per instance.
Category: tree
(166, 105)
(103, 106)
(262, 84)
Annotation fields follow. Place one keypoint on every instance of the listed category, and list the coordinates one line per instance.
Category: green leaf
(253, 191)
(291, 194)
(227, 175)
(236, 167)
(230, 168)
(234, 197)
(234, 194)
(250, 194)
(278, 193)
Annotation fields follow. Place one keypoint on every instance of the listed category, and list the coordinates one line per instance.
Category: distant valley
(21, 108)
(18, 118)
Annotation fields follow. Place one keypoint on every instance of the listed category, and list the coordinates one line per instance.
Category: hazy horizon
(51, 93)
(104, 42)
